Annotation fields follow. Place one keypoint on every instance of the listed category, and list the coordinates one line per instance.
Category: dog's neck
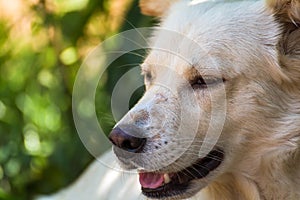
(268, 171)
(277, 173)
(271, 181)
(273, 165)
(237, 186)
(279, 180)
(230, 186)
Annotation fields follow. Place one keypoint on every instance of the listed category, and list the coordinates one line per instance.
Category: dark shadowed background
(42, 44)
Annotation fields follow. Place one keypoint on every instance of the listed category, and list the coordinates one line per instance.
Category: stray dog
(241, 58)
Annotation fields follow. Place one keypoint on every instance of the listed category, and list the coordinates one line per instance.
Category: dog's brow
(191, 73)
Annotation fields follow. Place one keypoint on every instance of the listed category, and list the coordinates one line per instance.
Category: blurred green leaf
(40, 54)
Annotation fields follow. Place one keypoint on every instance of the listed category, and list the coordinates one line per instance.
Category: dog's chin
(180, 184)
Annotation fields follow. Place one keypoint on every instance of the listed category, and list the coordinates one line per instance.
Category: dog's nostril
(125, 141)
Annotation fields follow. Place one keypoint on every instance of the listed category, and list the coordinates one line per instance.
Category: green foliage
(41, 52)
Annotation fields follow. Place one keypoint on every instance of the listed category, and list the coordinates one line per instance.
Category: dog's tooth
(167, 178)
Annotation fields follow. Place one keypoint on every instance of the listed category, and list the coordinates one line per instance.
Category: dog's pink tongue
(151, 180)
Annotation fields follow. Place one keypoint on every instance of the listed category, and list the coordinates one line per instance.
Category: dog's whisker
(181, 167)
(129, 65)
(130, 53)
(189, 152)
(136, 29)
(189, 173)
(195, 146)
(193, 140)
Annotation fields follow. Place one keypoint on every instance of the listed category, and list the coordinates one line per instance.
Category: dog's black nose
(126, 141)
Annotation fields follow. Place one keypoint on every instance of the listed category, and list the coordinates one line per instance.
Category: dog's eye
(202, 83)
(148, 76)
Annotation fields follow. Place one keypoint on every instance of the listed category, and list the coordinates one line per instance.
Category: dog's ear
(286, 10)
(287, 14)
(155, 7)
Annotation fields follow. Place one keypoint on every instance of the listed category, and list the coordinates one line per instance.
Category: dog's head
(219, 80)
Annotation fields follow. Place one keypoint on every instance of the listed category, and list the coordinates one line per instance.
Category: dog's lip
(181, 180)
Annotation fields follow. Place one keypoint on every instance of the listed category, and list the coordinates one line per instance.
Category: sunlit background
(42, 44)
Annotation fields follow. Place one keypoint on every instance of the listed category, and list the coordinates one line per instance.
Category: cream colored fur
(256, 48)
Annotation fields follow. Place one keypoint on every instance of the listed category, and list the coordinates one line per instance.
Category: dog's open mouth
(159, 185)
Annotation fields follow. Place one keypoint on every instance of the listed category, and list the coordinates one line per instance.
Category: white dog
(233, 65)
